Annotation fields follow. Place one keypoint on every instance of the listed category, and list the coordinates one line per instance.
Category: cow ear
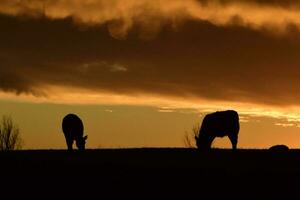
(85, 137)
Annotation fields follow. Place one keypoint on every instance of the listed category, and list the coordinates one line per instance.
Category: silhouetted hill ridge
(171, 171)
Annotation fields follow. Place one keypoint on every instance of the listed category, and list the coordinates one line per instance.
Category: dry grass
(10, 138)
(189, 137)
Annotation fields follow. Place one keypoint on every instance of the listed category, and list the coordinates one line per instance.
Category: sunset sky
(142, 73)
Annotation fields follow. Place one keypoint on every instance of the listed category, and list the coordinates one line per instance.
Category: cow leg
(210, 141)
(70, 144)
(234, 140)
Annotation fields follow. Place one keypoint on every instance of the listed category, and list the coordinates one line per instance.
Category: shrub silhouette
(218, 124)
(10, 138)
(188, 138)
(279, 148)
(73, 130)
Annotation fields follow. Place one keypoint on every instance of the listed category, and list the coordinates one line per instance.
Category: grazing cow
(73, 130)
(279, 148)
(218, 124)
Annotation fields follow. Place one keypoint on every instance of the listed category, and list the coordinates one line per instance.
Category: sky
(142, 73)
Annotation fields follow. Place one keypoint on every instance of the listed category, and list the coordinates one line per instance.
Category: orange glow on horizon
(76, 96)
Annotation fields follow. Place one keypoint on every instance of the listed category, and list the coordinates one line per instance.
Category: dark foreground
(150, 174)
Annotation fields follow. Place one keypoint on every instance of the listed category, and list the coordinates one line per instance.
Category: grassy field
(149, 172)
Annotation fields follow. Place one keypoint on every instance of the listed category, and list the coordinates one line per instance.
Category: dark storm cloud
(281, 3)
(194, 59)
(122, 15)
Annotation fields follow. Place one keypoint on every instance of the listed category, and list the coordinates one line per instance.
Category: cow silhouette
(73, 130)
(218, 124)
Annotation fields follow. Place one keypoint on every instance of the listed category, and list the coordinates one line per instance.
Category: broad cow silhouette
(73, 130)
(218, 124)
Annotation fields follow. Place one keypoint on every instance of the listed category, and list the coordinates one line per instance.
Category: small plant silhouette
(279, 148)
(189, 137)
(10, 138)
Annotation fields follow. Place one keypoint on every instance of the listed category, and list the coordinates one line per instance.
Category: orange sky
(181, 58)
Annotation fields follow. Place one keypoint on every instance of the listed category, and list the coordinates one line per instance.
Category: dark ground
(151, 174)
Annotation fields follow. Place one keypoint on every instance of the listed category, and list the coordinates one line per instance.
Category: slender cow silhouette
(73, 130)
(218, 124)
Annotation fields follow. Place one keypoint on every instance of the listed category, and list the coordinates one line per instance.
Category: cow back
(220, 123)
(72, 126)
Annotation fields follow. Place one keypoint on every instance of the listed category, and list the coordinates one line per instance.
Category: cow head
(80, 142)
(203, 142)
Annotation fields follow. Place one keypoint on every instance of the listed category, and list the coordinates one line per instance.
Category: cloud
(122, 15)
(285, 124)
(197, 60)
(191, 59)
(118, 68)
(165, 111)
